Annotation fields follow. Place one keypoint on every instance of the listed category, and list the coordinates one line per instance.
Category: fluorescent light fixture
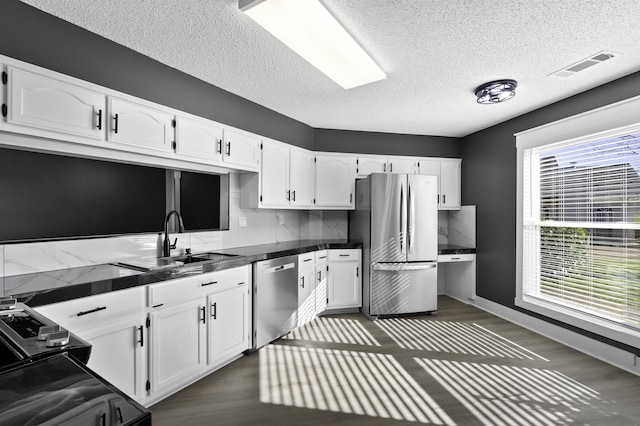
(308, 28)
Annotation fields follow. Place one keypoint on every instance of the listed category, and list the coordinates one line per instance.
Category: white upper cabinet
(46, 103)
(448, 171)
(138, 125)
(301, 178)
(285, 180)
(241, 149)
(371, 164)
(450, 177)
(201, 140)
(368, 164)
(402, 165)
(429, 167)
(275, 175)
(335, 181)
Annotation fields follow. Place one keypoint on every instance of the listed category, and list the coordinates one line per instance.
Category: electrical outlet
(242, 222)
(281, 219)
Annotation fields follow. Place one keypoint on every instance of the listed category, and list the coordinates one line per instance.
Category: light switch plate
(242, 222)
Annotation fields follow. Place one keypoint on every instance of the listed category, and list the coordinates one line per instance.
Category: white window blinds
(581, 227)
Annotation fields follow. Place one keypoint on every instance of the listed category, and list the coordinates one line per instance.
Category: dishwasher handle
(280, 268)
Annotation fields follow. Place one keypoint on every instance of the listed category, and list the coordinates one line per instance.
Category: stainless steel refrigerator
(396, 218)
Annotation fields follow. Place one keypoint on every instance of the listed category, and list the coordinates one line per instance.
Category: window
(582, 227)
(579, 221)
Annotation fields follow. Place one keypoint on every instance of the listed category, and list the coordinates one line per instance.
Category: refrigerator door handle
(403, 266)
(403, 220)
(411, 218)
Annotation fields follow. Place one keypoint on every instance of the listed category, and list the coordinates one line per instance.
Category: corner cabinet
(335, 181)
(37, 103)
(285, 180)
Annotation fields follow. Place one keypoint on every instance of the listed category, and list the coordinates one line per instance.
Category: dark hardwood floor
(462, 366)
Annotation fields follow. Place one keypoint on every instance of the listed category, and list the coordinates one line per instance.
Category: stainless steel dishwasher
(275, 299)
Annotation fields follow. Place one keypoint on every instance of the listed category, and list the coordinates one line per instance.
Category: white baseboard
(622, 359)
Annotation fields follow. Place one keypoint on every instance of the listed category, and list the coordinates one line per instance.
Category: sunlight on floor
(506, 395)
(334, 330)
(452, 337)
(344, 381)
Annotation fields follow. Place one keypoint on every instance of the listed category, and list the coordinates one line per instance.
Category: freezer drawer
(402, 288)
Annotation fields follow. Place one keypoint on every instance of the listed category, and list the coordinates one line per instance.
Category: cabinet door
(368, 165)
(401, 165)
(275, 174)
(335, 181)
(228, 324)
(198, 139)
(118, 353)
(320, 289)
(450, 171)
(49, 104)
(241, 149)
(178, 344)
(306, 287)
(139, 125)
(344, 285)
(301, 178)
(429, 167)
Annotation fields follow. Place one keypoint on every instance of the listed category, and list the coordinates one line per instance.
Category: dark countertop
(453, 249)
(43, 288)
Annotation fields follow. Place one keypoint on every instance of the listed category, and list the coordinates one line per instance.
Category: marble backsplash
(261, 227)
(458, 227)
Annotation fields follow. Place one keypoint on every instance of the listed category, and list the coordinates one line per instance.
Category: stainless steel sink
(172, 263)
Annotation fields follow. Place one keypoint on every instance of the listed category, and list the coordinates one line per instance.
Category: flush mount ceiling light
(496, 91)
(308, 28)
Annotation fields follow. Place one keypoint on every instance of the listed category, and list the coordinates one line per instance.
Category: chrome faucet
(166, 246)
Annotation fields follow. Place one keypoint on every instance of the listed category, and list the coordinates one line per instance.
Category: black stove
(44, 379)
(26, 336)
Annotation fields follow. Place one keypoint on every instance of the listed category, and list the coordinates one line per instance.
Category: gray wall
(385, 143)
(489, 182)
(33, 36)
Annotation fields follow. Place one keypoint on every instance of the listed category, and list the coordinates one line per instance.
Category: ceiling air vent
(596, 59)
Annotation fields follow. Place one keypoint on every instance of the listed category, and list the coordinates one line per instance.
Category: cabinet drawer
(448, 258)
(344, 254)
(80, 313)
(306, 260)
(321, 257)
(182, 289)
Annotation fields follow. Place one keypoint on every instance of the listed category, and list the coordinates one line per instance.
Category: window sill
(610, 330)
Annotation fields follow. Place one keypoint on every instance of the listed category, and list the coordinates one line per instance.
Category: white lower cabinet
(197, 324)
(114, 324)
(177, 345)
(118, 353)
(320, 290)
(306, 288)
(229, 333)
(344, 280)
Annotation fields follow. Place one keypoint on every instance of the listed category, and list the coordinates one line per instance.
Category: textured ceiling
(435, 53)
